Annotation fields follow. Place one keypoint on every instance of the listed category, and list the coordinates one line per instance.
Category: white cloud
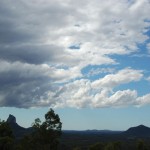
(118, 99)
(80, 94)
(148, 78)
(143, 100)
(85, 93)
(37, 66)
(64, 75)
(121, 77)
(75, 94)
(32, 86)
(103, 30)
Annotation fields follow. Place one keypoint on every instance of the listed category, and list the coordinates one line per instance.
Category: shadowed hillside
(140, 130)
(18, 131)
(84, 139)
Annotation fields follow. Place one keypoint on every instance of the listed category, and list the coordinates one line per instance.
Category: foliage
(6, 136)
(97, 146)
(108, 146)
(45, 135)
(113, 146)
(141, 145)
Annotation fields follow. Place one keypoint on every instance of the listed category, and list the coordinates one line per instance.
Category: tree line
(45, 135)
(140, 145)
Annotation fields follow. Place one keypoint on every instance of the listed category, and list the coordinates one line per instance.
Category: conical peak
(11, 119)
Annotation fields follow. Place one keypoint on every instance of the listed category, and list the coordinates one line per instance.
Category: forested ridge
(48, 135)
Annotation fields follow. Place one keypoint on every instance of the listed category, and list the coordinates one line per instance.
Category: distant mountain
(103, 131)
(140, 130)
(11, 119)
(94, 131)
(18, 131)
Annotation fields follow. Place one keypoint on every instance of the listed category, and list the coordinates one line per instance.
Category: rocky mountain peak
(11, 119)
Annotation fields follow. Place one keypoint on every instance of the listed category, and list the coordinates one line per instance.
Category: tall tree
(46, 134)
(49, 131)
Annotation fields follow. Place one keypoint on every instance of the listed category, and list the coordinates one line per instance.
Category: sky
(88, 60)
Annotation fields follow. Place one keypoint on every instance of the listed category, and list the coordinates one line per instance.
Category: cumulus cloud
(143, 100)
(85, 96)
(38, 64)
(123, 76)
(118, 99)
(85, 93)
(23, 85)
(29, 85)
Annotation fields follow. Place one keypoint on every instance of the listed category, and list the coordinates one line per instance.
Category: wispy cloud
(97, 71)
(148, 78)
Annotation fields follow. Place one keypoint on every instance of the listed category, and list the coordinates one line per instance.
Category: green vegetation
(6, 136)
(109, 146)
(141, 145)
(89, 141)
(45, 135)
(97, 146)
(138, 145)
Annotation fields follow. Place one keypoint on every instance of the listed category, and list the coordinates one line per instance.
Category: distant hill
(18, 131)
(140, 130)
(92, 132)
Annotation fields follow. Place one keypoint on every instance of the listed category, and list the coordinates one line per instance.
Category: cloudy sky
(89, 60)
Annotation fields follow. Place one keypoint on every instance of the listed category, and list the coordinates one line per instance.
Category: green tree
(141, 145)
(6, 136)
(46, 134)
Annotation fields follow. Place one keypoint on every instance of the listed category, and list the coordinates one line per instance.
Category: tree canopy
(6, 136)
(46, 134)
